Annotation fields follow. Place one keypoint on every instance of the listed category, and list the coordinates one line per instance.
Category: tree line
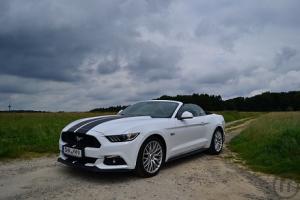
(109, 109)
(267, 101)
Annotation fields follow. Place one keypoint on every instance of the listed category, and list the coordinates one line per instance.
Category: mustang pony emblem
(78, 138)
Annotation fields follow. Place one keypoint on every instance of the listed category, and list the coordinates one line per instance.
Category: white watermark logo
(285, 188)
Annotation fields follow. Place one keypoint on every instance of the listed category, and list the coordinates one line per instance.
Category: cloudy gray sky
(76, 55)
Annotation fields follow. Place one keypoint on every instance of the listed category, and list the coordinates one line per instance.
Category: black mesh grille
(80, 140)
(82, 160)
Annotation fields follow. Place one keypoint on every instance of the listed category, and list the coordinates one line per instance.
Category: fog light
(114, 160)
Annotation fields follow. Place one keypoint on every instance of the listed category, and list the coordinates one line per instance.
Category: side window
(192, 108)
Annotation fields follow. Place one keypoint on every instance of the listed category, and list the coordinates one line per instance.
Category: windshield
(158, 109)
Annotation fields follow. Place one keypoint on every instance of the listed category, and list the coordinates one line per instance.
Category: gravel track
(197, 177)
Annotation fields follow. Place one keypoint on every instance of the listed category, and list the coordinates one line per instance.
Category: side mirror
(120, 111)
(186, 115)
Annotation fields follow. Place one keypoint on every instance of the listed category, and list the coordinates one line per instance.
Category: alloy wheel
(152, 156)
(218, 141)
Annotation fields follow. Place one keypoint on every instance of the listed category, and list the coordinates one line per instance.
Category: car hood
(109, 125)
(122, 125)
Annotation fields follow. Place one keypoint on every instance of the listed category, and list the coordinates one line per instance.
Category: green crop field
(32, 133)
(271, 144)
(28, 134)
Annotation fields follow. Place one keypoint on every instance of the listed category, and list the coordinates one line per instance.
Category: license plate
(72, 152)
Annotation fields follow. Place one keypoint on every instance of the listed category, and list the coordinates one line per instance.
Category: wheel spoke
(151, 165)
(145, 160)
(157, 150)
(147, 164)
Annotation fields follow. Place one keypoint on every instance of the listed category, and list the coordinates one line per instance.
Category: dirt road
(197, 177)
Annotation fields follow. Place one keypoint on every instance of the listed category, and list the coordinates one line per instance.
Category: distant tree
(109, 109)
(267, 101)
(208, 102)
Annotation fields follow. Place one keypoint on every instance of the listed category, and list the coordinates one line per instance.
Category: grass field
(32, 133)
(271, 144)
(28, 134)
(235, 115)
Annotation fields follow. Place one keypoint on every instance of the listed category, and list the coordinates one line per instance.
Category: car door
(188, 134)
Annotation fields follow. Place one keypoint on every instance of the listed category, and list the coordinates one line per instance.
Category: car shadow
(183, 160)
(119, 177)
(97, 177)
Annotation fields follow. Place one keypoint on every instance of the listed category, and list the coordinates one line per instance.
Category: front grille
(82, 160)
(80, 140)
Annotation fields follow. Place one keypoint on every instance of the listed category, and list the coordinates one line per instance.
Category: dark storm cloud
(153, 62)
(11, 88)
(41, 50)
(55, 55)
(44, 54)
(108, 66)
(54, 44)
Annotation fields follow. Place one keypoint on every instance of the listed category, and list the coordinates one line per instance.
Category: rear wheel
(217, 141)
(150, 158)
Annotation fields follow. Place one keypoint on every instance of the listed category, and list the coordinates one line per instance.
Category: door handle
(203, 123)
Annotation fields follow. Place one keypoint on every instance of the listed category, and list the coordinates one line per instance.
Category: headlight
(122, 138)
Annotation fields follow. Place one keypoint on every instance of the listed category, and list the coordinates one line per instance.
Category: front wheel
(150, 158)
(217, 141)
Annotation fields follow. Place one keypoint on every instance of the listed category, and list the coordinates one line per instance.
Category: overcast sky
(76, 55)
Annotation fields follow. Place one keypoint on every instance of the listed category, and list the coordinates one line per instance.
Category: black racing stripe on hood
(89, 126)
(76, 126)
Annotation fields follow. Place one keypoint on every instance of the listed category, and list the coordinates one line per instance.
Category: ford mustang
(142, 137)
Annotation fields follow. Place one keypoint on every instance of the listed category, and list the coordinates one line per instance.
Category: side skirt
(186, 154)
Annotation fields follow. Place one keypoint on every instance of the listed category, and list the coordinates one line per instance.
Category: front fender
(161, 133)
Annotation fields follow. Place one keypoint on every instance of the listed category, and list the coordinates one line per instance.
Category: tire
(151, 157)
(217, 141)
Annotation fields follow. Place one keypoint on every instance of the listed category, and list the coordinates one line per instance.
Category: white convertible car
(142, 137)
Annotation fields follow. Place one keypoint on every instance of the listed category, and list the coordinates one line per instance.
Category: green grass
(230, 116)
(271, 144)
(33, 133)
(30, 134)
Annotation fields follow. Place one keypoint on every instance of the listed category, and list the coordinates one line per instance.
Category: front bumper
(94, 158)
(90, 168)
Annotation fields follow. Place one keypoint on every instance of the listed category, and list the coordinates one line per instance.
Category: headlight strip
(122, 138)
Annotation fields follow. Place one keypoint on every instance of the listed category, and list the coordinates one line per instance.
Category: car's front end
(99, 151)
(112, 142)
